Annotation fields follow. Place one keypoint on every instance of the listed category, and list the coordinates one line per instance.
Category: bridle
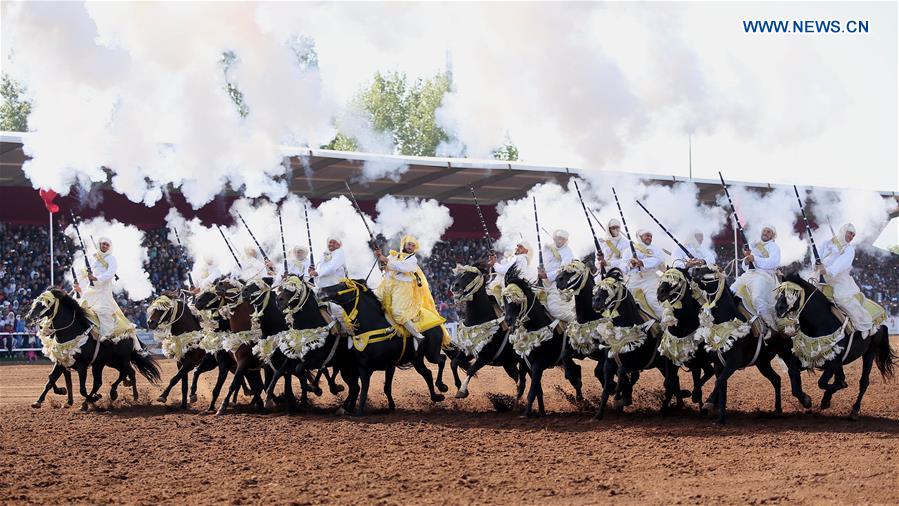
(711, 298)
(513, 294)
(580, 275)
(676, 279)
(300, 295)
(793, 292)
(50, 303)
(472, 287)
(356, 289)
(617, 294)
(168, 306)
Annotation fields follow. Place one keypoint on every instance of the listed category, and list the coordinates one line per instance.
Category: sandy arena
(461, 452)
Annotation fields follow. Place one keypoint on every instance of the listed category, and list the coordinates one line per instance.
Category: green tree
(15, 108)
(229, 59)
(507, 152)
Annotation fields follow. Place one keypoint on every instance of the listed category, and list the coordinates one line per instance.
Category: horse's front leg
(51, 383)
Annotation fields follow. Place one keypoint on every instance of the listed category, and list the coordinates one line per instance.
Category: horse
(225, 297)
(680, 323)
(378, 345)
(537, 338)
(175, 316)
(631, 342)
(482, 334)
(313, 340)
(576, 281)
(70, 343)
(728, 335)
(821, 342)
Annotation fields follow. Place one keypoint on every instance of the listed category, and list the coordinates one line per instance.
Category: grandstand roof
(320, 174)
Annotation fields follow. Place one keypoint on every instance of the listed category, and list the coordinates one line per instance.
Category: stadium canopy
(321, 173)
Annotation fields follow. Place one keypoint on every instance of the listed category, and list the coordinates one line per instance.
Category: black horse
(632, 348)
(812, 318)
(469, 286)
(226, 298)
(68, 324)
(729, 337)
(297, 300)
(176, 315)
(538, 338)
(382, 347)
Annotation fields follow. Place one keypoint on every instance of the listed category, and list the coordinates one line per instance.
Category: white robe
(331, 268)
(558, 308)
(520, 261)
(645, 280)
(679, 258)
(100, 299)
(252, 268)
(846, 293)
(759, 283)
(613, 258)
(207, 275)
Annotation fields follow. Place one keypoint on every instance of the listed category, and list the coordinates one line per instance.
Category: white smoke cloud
(128, 249)
(150, 104)
(777, 208)
(868, 211)
(427, 220)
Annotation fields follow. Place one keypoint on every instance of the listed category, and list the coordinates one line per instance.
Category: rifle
(264, 256)
(679, 245)
(740, 232)
(537, 225)
(228, 244)
(481, 217)
(371, 243)
(283, 246)
(309, 238)
(624, 222)
(87, 264)
(808, 230)
(602, 269)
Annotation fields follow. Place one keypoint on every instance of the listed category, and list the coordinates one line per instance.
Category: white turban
(640, 233)
(104, 239)
(849, 227)
(336, 238)
(297, 249)
(698, 236)
(773, 230)
(560, 234)
(250, 251)
(614, 223)
(526, 245)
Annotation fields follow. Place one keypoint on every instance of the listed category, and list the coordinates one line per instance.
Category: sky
(598, 86)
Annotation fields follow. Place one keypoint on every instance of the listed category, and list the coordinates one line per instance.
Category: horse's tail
(146, 365)
(886, 358)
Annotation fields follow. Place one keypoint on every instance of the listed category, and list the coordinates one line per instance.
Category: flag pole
(52, 283)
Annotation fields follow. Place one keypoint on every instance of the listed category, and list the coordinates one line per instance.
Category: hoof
(461, 394)
(719, 421)
(853, 416)
(269, 403)
(391, 407)
(340, 411)
(442, 387)
(36, 404)
(825, 403)
(618, 403)
(193, 398)
(806, 401)
(596, 418)
(220, 412)
(437, 398)
(60, 390)
(696, 398)
(127, 382)
(336, 389)
(683, 394)
(708, 406)
(210, 409)
(113, 395)
(161, 399)
(703, 411)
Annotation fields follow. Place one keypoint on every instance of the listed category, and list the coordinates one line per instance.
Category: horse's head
(610, 290)
(346, 292)
(789, 296)
(572, 278)
(708, 278)
(467, 280)
(293, 293)
(163, 311)
(257, 292)
(673, 286)
(518, 298)
(43, 306)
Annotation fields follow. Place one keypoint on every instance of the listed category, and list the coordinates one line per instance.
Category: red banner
(48, 196)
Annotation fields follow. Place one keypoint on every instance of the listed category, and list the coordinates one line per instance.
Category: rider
(299, 263)
(405, 293)
(556, 255)
(756, 286)
(701, 254)
(207, 274)
(329, 271)
(643, 280)
(836, 264)
(614, 247)
(253, 266)
(99, 298)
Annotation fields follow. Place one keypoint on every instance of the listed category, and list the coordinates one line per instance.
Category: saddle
(758, 328)
(877, 312)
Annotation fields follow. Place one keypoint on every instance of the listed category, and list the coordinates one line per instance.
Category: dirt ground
(459, 452)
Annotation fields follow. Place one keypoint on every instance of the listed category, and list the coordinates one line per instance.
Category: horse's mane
(66, 301)
(796, 278)
(513, 276)
(616, 273)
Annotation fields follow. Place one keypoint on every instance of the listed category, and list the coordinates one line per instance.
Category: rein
(617, 292)
(472, 287)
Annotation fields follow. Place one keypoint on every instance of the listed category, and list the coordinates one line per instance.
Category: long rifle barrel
(537, 225)
(283, 246)
(679, 245)
(308, 238)
(264, 256)
(87, 264)
(627, 232)
(228, 244)
(372, 243)
(808, 230)
(477, 206)
(733, 209)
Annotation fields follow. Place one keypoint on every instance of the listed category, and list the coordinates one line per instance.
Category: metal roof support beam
(477, 184)
(399, 188)
(321, 191)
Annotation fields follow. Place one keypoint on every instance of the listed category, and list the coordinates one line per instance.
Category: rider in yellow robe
(405, 293)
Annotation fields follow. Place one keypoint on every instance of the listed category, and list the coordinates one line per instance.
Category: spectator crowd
(24, 274)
